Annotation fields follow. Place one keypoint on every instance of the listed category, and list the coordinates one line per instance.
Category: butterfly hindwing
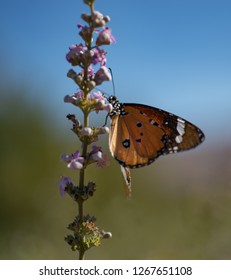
(140, 133)
(136, 142)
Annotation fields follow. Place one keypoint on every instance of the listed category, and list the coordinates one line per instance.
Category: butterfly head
(118, 108)
(113, 100)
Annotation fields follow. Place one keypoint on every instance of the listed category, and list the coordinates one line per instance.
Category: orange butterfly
(139, 134)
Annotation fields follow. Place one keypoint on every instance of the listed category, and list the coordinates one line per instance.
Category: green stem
(92, 8)
(85, 144)
(81, 254)
(81, 182)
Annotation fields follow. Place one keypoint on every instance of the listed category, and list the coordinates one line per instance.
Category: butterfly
(139, 134)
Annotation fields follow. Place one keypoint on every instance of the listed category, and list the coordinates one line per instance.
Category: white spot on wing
(175, 148)
(180, 126)
(152, 122)
(179, 139)
(142, 113)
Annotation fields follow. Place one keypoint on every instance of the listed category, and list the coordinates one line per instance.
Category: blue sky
(171, 54)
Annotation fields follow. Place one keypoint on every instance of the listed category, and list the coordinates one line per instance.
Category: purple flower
(80, 25)
(74, 161)
(62, 184)
(103, 162)
(102, 75)
(79, 95)
(74, 56)
(98, 55)
(97, 100)
(105, 37)
(97, 155)
(90, 71)
(98, 96)
(74, 99)
(101, 102)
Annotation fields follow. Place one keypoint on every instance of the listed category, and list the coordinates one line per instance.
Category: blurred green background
(180, 207)
(179, 61)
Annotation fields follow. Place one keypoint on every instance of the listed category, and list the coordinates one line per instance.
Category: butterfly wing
(141, 133)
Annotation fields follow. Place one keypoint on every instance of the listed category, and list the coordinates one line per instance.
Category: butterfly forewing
(140, 133)
(179, 132)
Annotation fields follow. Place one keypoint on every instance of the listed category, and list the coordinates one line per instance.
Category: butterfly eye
(112, 99)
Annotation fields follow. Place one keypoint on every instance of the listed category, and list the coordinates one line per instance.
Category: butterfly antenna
(112, 79)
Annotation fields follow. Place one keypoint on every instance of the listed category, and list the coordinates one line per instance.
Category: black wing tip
(201, 136)
(138, 165)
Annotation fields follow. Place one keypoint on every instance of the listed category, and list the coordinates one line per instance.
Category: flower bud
(85, 33)
(105, 37)
(98, 20)
(88, 2)
(91, 85)
(71, 74)
(108, 108)
(86, 131)
(63, 183)
(105, 234)
(69, 99)
(103, 130)
(86, 17)
(79, 79)
(74, 76)
(102, 75)
(106, 18)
